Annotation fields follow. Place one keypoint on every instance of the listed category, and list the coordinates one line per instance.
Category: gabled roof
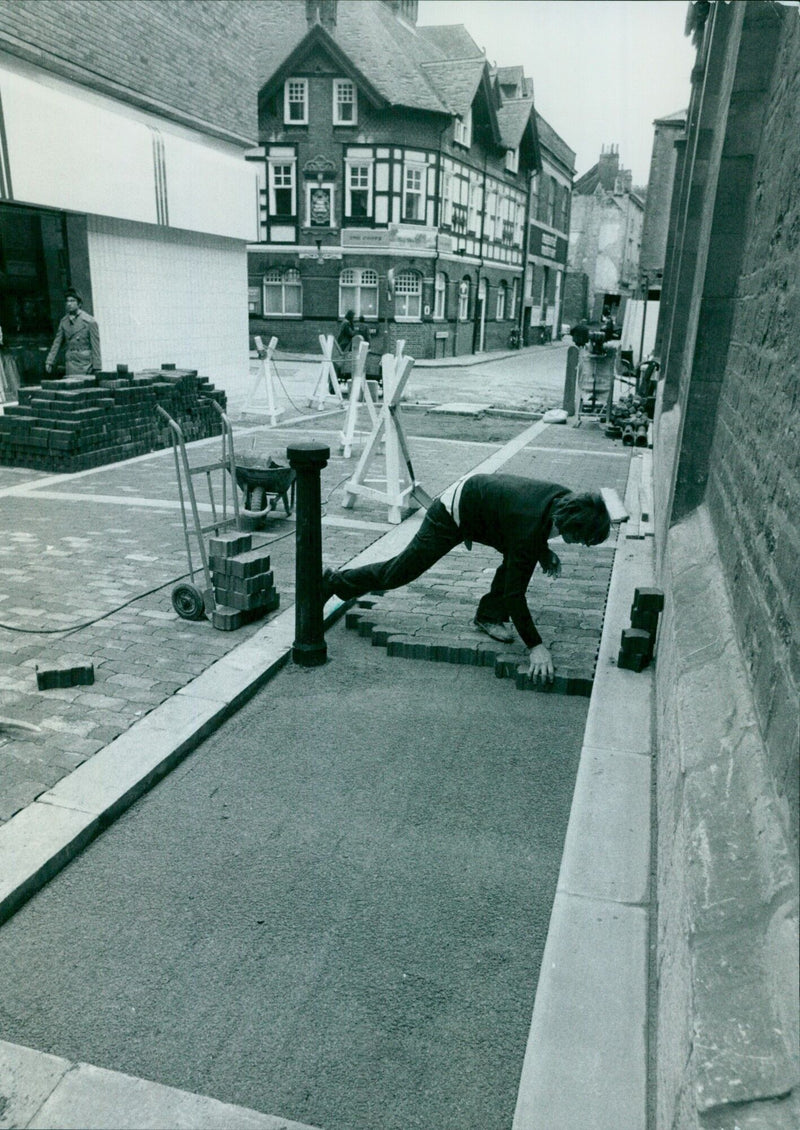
(456, 81)
(438, 69)
(511, 76)
(514, 117)
(518, 129)
(451, 40)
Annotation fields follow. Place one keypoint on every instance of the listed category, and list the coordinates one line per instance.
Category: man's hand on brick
(541, 663)
(551, 565)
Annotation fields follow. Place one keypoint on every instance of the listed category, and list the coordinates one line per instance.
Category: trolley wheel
(188, 602)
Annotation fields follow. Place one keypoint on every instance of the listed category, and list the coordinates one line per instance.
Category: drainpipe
(476, 324)
(439, 178)
(526, 245)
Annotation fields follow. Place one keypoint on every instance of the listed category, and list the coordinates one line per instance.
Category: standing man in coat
(81, 334)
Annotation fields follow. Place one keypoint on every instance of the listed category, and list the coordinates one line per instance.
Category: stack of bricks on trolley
(639, 641)
(75, 423)
(244, 588)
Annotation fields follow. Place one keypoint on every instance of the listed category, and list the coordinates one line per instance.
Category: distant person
(79, 332)
(347, 331)
(608, 325)
(580, 333)
(9, 374)
(513, 515)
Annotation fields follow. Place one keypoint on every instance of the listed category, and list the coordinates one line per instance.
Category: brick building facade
(605, 236)
(124, 127)
(726, 1036)
(548, 237)
(395, 172)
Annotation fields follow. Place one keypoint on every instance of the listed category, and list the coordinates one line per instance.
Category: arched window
(440, 295)
(358, 291)
(408, 296)
(283, 293)
(500, 309)
(463, 299)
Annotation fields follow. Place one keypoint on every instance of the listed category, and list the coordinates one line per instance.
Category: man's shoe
(328, 584)
(500, 632)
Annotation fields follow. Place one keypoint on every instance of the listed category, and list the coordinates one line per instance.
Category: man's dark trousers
(437, 535)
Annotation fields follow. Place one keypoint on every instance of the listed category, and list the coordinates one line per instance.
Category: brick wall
(727, 480)
(754, 469)
(194, 56)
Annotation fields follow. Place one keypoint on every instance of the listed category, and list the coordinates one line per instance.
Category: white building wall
(72, 149)
(162, 295)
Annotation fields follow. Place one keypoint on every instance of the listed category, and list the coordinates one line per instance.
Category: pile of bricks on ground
(78, 422)
(244, 588)
(417, 623)
(638, 642)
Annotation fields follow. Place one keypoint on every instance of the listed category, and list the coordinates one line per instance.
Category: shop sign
(423, 239)
(365, 237)
(399, 236)
(547, 245)
(324, 252)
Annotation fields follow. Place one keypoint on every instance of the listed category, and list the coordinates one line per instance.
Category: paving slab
(458, 409)
(47, 1092)
(588, 1024)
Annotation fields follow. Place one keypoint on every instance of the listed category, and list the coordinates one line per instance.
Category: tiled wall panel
(166, 296)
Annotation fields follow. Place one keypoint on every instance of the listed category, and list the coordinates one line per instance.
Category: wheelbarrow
(264, 484)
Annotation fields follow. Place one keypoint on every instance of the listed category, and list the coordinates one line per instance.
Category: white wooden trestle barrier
(359, 391)
(400, 486)
(262, 393)
(327, 378)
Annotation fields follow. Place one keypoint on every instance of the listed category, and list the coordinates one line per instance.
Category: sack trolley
(188, 599)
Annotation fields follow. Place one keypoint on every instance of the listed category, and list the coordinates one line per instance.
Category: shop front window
(408, 296)
(283, 293)
(358, 291)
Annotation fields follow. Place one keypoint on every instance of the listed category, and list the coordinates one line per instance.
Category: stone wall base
(728, 1019)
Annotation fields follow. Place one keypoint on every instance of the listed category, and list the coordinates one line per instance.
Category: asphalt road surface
(334, 910)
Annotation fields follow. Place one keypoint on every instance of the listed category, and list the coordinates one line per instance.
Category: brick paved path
(432, 618)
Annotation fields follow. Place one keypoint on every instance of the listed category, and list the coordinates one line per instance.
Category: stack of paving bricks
(417, 622)
(638, 642)
(244, 588)
(79, 422)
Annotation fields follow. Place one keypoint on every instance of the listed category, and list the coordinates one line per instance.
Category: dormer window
(295, 102)
(512, 160)
(345, 104)
(462, 130)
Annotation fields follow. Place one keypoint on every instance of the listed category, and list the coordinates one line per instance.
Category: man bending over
(513, 515)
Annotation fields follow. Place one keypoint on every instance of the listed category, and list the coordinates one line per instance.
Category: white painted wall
(72, 149)
(632, 327)
(167, 296)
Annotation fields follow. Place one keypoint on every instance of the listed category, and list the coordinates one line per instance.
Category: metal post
(307, 460)
(646, 284)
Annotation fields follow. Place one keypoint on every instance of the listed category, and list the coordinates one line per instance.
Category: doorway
(34, 273)
(479, 338)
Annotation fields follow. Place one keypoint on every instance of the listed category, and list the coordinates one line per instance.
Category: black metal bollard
(307, 460)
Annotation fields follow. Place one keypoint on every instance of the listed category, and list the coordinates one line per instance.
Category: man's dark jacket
(513, 515)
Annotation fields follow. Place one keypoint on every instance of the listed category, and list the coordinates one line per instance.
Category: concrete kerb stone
(586, 1059)
(43, 1091)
